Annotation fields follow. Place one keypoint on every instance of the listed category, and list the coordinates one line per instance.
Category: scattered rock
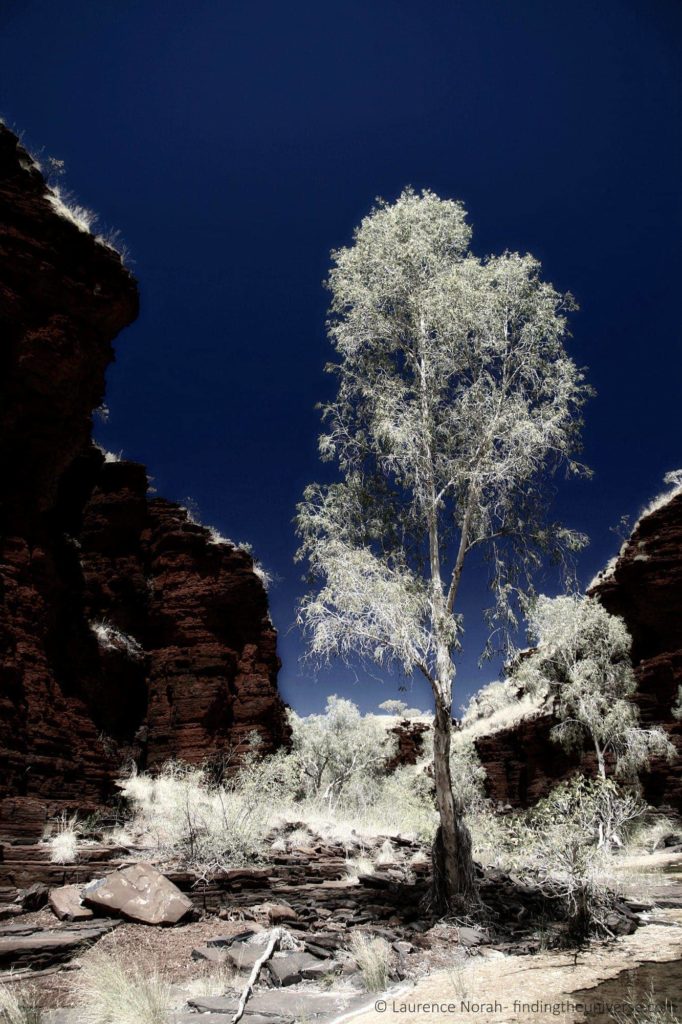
(66, 904)
(319, 969)
(243, 956)
(668, 840)
(34, 898)
(618, 924)
(276, 913)
(290, 1004)
(375, 881)
(213, 954)
(229, 940)
(138, 892)
(472, 936)
(286, 969)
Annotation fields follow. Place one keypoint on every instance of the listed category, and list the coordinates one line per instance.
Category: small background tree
(393, 707)
(583, 657)
(455, 401)
(339, 749)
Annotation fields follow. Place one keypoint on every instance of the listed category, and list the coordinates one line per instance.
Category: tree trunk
(600, 761)
(454, 877)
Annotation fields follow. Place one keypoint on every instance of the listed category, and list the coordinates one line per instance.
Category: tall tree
(456, 400)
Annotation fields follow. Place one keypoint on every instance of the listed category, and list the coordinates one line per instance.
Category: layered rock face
(644, 586)
(123, 629)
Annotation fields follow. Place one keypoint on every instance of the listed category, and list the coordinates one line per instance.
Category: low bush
(564, 845)
(185, 816)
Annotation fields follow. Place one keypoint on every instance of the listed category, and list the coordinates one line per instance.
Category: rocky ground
(207, 934)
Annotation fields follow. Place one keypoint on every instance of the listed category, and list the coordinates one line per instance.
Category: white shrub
(216, 537)
(263, 575)
(677, 707)
(386, 854)
(583, 654)
(393, 707)
(468, 774)
(214, 981)
(113, 639)
(564, 844)
(644, 1009)
(489, 699)
(358, 866)
(64, 844)
(674, 481)
(185, 817)
(64, 205)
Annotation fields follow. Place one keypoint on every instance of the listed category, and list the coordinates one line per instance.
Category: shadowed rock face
(409, 743)
(183, 662)
(645, 588)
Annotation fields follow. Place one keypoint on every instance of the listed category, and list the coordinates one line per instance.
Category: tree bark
(454, 876)
(600, 760)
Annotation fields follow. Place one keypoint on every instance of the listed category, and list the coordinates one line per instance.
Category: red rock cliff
(645, 588)
(123, 628)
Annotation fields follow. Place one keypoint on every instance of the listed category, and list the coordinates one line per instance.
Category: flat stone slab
(287, 970)
(42, 947)
(319, 969)
(66, 904)
(220, 1018)
(140, 893)
(243, 956)
(289, 1004)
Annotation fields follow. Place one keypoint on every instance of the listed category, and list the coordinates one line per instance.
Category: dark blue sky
(234, 143)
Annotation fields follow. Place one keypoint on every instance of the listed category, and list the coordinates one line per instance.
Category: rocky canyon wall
(125, 631)
(644, 586)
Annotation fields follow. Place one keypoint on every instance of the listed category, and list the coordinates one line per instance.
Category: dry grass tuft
(20, 1004)
(374, 957)
(638, 1009)
(110, 993)
(64, 845)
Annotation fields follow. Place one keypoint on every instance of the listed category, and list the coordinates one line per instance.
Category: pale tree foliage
(455, 401)
(400, 708)
(583, 654)
(491, 698)
(393, 707)
(338, 749)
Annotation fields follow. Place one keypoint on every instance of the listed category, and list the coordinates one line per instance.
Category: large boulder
(138, 892)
